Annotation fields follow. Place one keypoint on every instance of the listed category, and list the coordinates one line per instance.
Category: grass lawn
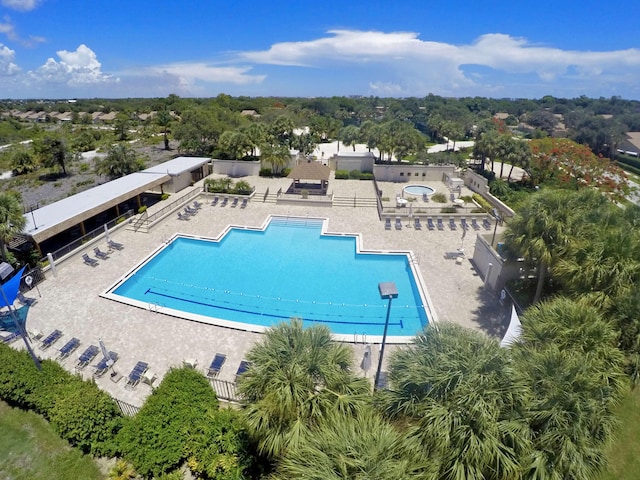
(623, 455)
(31, 450)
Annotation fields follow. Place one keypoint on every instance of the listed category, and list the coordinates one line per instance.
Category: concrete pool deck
(71, 303)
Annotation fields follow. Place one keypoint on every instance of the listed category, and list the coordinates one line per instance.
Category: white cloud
(7, 67)
(77, 68)
(7, 28)
(439, 66)
(191, 73)
(21, 5)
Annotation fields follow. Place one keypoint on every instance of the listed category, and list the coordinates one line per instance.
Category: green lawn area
(623, 455)
(31, 450)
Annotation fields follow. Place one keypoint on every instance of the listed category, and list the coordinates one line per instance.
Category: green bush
(242, 188)
(354, 174)
(366, 176)
(265, 172)
(142, 209)
(78, 410)
(285, 172)
(154, 440)
(342, 174)
(439, 198)
(479, 199)
(164, 196)
(448, 210)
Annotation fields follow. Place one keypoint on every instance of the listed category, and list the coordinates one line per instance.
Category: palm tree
(163, 119)
(255, 133)
(121, 160)
(541, 229)
(277, 156)
(457, 392)
(12, 221)
(345, 447)
(297, 377)
(122, 470)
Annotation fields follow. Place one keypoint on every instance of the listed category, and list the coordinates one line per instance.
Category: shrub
(342, 174)
(366, 176)
(154, 440)
(439, 198)
(354, 174)
(265, 172)
(480, 200)
(142, 209)
(448, 210)
(285, 172)
(164, 196)
(242, 188)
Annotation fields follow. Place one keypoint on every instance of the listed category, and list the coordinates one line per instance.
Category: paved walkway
(71, 302)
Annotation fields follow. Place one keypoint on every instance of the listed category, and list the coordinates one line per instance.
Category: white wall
(236, 168)
(411, 173)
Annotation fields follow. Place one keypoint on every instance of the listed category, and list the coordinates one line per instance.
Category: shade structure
(10, 289)
(513, 331)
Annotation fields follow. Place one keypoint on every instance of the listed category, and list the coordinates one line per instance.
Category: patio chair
(440, 223)
(398, 223)
(452, 224)
(115, 245)
(244, 203)
(197, 205)
(430, 224)
(425, 198)
(216, 365)
(416, 223)
(225, 200)
(214, 202)
(100, 254)
(235, 202)
(87, 357)
(102, 366)
(387, 223)
(89, 261)
(50, 339)
(12, 337)
(136, 374)
(68, 348)
(190, 211)
(242, 368)
(463, 224)
(474, 224)
(486, 223)
(182, 216)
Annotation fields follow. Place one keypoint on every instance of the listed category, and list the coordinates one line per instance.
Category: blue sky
(201, 48)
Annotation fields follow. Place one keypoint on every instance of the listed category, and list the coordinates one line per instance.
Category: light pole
(387, 290)
(495, 227)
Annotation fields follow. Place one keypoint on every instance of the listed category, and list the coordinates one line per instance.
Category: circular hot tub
(418, 190)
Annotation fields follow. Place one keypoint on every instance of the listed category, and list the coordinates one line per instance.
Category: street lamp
(495, 227)
(387, 290)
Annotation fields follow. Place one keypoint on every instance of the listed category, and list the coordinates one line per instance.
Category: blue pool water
(418, 190)
(263, 277)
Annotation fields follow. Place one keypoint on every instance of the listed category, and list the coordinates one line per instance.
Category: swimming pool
(254, 278)
(418, 190)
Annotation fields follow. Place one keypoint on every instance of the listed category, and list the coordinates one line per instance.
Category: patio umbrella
(366, 359)
(105, 353)
(106, 233)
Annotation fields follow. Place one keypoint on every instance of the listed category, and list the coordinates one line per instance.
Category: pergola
(306, 175)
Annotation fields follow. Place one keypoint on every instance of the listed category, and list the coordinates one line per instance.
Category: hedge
(342, 174)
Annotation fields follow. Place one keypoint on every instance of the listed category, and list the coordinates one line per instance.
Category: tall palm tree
(457, 392)
(297, 377)
(163, 119)
(12, 220)
(346, 447)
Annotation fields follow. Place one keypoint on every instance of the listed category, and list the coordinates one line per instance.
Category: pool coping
(249, 327)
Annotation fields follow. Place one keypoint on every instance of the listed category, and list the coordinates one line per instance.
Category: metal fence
(225, 390)
(68, 248)
(126, 408)
(172, 206)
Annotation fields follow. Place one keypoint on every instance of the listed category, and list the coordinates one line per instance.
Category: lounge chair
(216, 365)
(12, 337)
(89, 261)
(50, 339)
(102, 366)
(452, 224)
(190, 211)
(452, 197)
(183, 216)
(197, 205)
(242, 368)
(115, 245)
(68, 348)
(387, 223)
(398, 223)
(244, 203)
(486, 223)
(136, 374)
(430, 224)
(463, 223)
(235, 202)
(214, 202)
(225, 200)
(416, 223)
(87, 357)
(425, 197)
(440, 223)
(474, 224)
(100, 254)
(25, 300)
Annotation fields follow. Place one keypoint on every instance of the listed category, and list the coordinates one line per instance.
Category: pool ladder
(355, 337)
